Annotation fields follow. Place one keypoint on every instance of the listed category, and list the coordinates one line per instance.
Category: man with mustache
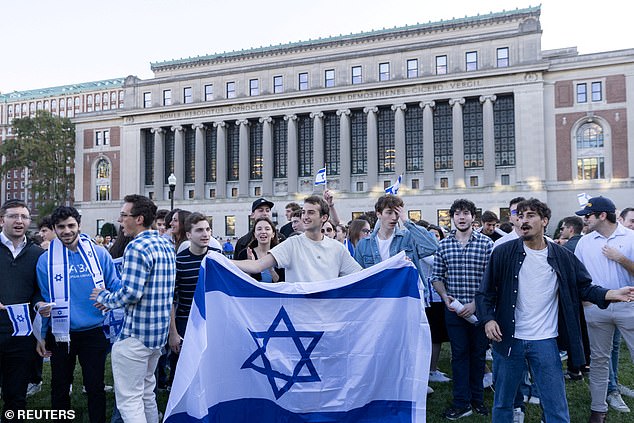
(528, 302)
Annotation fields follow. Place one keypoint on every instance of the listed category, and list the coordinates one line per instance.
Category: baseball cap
(261, 202)
(596, 205)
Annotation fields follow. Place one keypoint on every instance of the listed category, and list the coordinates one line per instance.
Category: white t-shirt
(537, 306)
(384, 246)
(305, 260)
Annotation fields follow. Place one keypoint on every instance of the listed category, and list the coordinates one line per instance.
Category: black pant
(91, 347)
(15, 359)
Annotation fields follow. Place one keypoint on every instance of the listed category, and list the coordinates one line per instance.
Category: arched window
(591, 152)
(102, 180)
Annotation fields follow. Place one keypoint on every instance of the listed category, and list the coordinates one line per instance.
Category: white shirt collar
(14, 250)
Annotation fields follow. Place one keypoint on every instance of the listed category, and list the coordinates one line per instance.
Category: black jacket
(497, 296)
(18, 280)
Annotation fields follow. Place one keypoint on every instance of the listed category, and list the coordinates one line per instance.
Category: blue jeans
(543, 358)
(468, 358)
(613, 382)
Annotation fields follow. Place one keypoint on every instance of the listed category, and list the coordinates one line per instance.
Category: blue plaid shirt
(460, 268)
(147, 291)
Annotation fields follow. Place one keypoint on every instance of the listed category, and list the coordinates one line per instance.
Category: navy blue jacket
(497, 296)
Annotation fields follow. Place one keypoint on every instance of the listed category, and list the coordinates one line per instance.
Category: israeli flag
(583, 199)
(355, 348)
(19, 315)
(393, 189)
(320, 178)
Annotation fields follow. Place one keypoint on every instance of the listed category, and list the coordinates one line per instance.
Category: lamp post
(171, 180)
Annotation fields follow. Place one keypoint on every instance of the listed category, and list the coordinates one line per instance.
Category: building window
(209, 92)
(359, 142)
(471, 59)
(191, 194)
(590, 135)
(596, 91)
(443, 136)
(106, 137)
(357, 75)
(303, 81)
(473, 133)
(98, 138)
(254, 87)
(190, 150)
(257, 192)
(234, 192)
(473, 181)
(582, 93)
(305, 145)
(360, 188)
(414, 215)
(505, 179)
(211, 154)
(386, 184)
(441, 65)
(212, 192)
(502, 55)
(412, 68)
(168, 161)
(147, 101)
(230, 225)
(231, 89)
(188, 96)
(415, 183)
(233, 152)
(504, 130)
(329, 78)
(149, 157)
(590, 168)
(103, 180)
(167, 97)
(414, 139)
(384, 71)
(280, 147)
(331, 142)
(255, 150)
(121, 99)
(443, 218)
(278, 84)
(385, 132)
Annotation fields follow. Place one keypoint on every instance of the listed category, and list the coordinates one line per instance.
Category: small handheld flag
(393, 189)
(320, 179)
(583, 198)
(19, 315)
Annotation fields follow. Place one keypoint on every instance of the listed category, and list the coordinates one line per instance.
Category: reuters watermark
(39, 415)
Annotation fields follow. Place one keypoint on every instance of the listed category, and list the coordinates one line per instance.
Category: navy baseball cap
(597, 205)
(261, 202)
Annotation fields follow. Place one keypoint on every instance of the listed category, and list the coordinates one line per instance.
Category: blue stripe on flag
(253, 410)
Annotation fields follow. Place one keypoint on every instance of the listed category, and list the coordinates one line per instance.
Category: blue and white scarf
(59, 281)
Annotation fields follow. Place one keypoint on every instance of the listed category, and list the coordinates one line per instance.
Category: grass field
(578, 396)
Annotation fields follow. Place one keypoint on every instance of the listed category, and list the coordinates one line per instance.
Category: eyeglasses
(326, 230)
(17, 216)
(127, 214)
(587, 216)
(366, 231)
(514, 212)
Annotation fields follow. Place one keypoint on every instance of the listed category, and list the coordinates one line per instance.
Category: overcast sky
(49, 43)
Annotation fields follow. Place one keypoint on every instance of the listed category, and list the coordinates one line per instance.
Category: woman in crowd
(328, 229)
(177, 224)
(359, 228)
(263, 238)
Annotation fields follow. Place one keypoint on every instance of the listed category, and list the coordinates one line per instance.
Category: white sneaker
(531, 400)
(33, 389)
(429, 390)
(518, 415)
(616, 402)
(626, 390)
(438, 376)
(489, 355)
(487, 380)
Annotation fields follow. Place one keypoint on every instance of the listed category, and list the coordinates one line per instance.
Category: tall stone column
(458, 142)
(221, 159)
(318, 141)
(267, 156)
(292, 155)
(399, 138)
(159, 163)
(244, 161)
(372, 147)
(489, 138)
(179, 162)
(429, 171)
(345, 141)
(199, 173)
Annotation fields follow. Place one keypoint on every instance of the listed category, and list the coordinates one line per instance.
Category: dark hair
(46, 222)
(11, 204)
(293, 206)
(437, 229)
(535, 205)
(388, 201)
(168, 217)
(575, 222)
(161, 213)
(142, 206)
(193, 219)
(506, 226)
(425, 224)
(354, 230)
(254, 242)
(119, 244)
(516, 200)
(297, 213)
(370, 217)
(489, 216)
(318, 201)
(463, 204)
(625, 211)
(609, 216)
(180, 237)
(63, 213)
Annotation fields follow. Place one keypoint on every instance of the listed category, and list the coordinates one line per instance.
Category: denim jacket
(497, 296)
(416, 241)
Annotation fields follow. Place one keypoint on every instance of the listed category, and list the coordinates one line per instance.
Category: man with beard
(458, 268)
(528, 302)
(67, 274)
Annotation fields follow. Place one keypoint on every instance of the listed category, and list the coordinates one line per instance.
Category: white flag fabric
(355, 348)
(19, 315)
(583, 199)
(320, 178)
(393, 189)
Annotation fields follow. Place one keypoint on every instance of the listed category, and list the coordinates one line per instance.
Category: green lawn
(578, 396)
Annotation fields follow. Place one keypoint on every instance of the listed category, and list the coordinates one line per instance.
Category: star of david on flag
(19, 316)
(320, 178)
(355, 348)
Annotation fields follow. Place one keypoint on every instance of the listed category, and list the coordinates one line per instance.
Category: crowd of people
(489, 287)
